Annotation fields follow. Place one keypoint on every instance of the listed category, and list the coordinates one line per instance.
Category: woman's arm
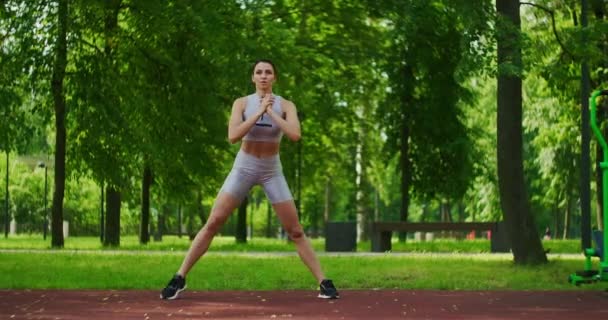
(291, 124)
(237, 128)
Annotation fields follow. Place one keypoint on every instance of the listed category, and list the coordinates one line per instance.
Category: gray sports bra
(265, 129)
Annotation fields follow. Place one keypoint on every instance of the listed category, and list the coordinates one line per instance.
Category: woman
(259, 120)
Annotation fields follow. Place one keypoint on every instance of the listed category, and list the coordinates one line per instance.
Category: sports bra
(264, 129)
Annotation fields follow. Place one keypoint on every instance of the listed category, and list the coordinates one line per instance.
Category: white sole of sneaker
(322, 296)
(175, 295)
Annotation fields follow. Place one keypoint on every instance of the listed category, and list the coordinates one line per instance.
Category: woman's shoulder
(283, 99)
(243, 99)
(240, 102)
(287, 103)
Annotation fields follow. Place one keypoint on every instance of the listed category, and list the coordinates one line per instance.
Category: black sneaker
(327, 290)
(173, 288)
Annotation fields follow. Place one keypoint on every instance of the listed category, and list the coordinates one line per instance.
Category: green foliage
(552, 107)
(27, 200)
(151, 83)
(23, 119)
(27, 197)
(424, 87)
(481, 200)
(82, 207)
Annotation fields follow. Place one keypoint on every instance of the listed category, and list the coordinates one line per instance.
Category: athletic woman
(258, 120)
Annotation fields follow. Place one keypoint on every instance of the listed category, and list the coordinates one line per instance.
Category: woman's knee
(214, 223)
(296, 232)
(209, 227)
(219, 213)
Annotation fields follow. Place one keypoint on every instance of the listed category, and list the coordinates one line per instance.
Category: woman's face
(263, 75)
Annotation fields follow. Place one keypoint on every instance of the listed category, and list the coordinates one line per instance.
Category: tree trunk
(599, 11)
(585, 179)
(179, 220)
(190, 226)
(446, 208)
(326, 207)
(525, 239)
(241, 222)
(60, 131)
(406, 168)
(299, 176)
(268, 220)
(144, 229)
(112, 237)
(102, 216)
(160, 224)
(556, 220)
(461, 211)
(113, 197)
(446, 216)
(425, 212)
(406, 178)
(567, 218)
(201, 209)
(360, 197)
(7, 219)
(249, 229)
(364, 212)
(314, 224)
(376, 205)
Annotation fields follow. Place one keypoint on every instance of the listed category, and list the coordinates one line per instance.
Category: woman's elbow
(295, 137)
(233, 138)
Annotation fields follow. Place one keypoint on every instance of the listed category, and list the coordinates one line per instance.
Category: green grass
(237, 271)
(228, 266)
(173, 243)
(169, 243)
(468, 246)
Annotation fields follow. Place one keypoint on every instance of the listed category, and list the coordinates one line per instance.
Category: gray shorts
(249, 170)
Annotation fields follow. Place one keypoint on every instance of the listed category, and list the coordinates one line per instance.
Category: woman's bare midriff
(260, 149)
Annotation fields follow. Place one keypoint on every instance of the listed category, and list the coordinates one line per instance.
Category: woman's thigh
(224, 205)
(237, 184)
(276, 189)
(287, 214)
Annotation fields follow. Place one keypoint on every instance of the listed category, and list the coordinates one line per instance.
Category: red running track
(302, 304)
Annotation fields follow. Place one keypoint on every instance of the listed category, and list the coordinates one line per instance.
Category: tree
(426, 86)
(57, 88)
(525, 240)
(143, 99)
(23, 114)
